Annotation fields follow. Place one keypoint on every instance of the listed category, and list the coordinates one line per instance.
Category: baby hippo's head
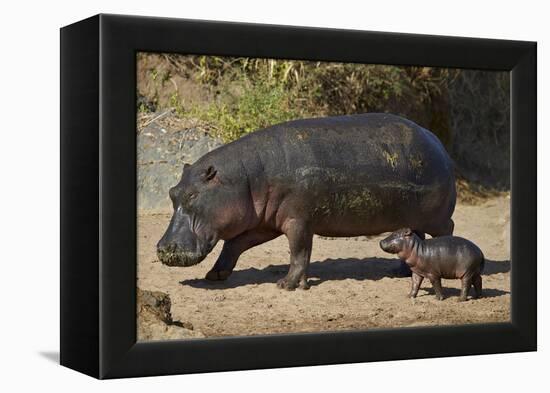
(397, 241)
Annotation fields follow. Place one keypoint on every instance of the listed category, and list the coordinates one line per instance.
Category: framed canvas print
(240, 196)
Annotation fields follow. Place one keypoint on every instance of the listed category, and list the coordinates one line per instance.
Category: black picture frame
(98, 196)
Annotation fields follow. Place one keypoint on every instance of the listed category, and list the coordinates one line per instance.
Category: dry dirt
(352, 283)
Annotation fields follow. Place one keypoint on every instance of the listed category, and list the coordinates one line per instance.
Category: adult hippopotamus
(335, 176)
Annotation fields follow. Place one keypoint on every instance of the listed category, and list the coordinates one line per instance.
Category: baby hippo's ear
(408, 232)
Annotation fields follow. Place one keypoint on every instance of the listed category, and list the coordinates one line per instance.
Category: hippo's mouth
(180, 258)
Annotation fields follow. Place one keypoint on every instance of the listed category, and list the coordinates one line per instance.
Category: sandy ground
(352, 283)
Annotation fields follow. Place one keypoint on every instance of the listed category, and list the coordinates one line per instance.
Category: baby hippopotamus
(448, 257)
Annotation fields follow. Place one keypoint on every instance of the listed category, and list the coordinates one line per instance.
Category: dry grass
(475, 194)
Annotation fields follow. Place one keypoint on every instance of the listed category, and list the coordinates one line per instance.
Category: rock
(155, 319)
(161, 153)
(219, 298)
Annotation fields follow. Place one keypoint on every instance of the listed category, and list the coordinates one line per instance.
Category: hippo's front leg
(232, 250)
(300, 239)
(416, 281)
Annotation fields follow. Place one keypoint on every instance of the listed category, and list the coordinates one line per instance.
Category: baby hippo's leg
(436, 283)
(416, 280)
(477, 285)
(466, 284)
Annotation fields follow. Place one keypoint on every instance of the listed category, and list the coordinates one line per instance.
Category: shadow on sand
(328, 270)
(455, 292)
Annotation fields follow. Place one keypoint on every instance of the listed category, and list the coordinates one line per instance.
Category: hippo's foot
(462, 299)
(284, 283)
(439, 297)
(217, 275)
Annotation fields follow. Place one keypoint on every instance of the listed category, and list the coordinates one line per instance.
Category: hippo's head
(207, 207)
(397, 241)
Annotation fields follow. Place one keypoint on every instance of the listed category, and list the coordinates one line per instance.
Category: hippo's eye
(192, 196)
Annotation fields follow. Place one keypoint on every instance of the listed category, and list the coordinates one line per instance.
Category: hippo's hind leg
(477, 282)
(466, 284)
(445, 229)
(300, 239)
(232, 250)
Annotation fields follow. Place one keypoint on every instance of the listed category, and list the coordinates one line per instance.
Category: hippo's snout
(172, 255)
(390, 245)
(385, 245)
(180, 245)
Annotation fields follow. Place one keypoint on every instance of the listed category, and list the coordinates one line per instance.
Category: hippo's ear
(408, 232)
(209, 173)
(185, 166)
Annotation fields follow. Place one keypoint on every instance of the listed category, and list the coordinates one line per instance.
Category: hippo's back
(349, 172)
(375, 147)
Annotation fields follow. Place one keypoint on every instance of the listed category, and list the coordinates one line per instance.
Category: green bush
(231, 96)
(259, 106)
(254, 93)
